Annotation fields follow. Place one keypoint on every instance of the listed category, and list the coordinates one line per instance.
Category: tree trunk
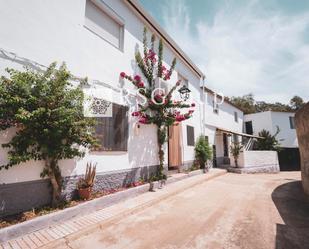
(161, 139)
(55, 179)
(236, 162)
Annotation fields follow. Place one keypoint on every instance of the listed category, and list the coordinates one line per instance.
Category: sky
(243, 46)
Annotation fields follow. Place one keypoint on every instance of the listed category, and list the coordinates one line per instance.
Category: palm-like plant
(235, 151)
(268, 142)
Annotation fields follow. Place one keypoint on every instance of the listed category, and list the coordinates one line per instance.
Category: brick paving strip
(77, 226)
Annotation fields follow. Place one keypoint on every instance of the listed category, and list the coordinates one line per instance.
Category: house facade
(98, 39)
(223, 125)
(289, 154)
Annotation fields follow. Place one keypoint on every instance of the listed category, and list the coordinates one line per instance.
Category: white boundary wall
(252, 159)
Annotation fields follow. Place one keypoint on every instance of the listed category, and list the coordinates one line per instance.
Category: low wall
(257, 161)
(302, 130)
(24, 196)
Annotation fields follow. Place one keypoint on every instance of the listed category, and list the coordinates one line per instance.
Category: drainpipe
(204, 106)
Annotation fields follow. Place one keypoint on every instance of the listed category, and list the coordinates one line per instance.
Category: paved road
(231, 211)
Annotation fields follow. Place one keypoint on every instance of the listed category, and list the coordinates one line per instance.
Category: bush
(269, 142)
(203, 152)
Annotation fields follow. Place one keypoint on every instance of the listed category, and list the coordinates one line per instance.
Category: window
(292, 122)
(215, 107)
(190, 135)
(248, 126)
(207, 139)
(104, 22)
(236, 117)
(112, 132)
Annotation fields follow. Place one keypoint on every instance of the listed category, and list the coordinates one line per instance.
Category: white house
(98, 39)
(270, 120)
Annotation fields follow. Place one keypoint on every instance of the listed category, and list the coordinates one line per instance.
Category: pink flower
(135, 114)
(163, 68)
(137, 78)
(180, 118)
(143, 120)
(140, 84)
(193, 104)
(123, 74)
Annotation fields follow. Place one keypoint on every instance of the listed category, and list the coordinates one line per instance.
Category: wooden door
(175, 146)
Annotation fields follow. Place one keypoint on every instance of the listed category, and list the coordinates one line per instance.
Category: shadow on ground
(293, 207)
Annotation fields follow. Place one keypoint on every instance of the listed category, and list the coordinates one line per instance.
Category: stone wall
(302, 129)
(24, 196)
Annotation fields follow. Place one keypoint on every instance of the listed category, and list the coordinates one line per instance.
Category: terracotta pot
(151, 186)
(85, 193)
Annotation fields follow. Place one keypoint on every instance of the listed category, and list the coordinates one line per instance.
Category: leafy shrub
(203, 152)
(269, 142)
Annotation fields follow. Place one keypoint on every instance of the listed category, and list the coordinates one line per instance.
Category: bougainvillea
(160, 108)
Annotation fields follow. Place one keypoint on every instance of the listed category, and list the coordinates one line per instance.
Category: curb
(114, 219)
(95, 205)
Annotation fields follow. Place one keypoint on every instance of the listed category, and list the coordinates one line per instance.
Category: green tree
(296, 103)
(48, 113)
(245, 103)
(203, 151)
(268, 142)
(160, 109)
(248, 104)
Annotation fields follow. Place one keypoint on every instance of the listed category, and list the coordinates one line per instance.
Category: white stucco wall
(251, 159)
(269, 120)
(224, 119)
(47, 31)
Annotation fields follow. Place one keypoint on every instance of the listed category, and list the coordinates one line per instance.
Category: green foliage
(296, 103)
(235, 149)
(167, 112)
(248, 104)
(47, 112)
(88, 180)
(203, 152)
(245, 103)
(269, 142)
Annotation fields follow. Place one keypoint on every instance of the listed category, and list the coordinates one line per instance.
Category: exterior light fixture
(184, 93)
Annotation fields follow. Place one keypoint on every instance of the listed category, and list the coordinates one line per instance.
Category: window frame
(215, 109)
(292, 122)
(191, 139)
(106, 9)
(109, 123)
(236, 116)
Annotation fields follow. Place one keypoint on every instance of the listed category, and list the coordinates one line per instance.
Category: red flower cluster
(143, 120)
(166, 73)
(123, 75)
(151, 55)
(138, 81)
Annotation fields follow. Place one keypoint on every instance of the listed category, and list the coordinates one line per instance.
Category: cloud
(246, 49)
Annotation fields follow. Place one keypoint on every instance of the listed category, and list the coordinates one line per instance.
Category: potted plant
(85, 184)
(235, 151)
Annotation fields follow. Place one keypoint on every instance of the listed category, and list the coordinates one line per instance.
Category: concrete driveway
(231, 211)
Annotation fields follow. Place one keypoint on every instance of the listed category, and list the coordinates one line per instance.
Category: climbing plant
(47, 113)
(160, 108)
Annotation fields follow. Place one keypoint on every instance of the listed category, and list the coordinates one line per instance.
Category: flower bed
(36, 212)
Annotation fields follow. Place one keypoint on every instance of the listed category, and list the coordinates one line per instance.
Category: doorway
(174, 146)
